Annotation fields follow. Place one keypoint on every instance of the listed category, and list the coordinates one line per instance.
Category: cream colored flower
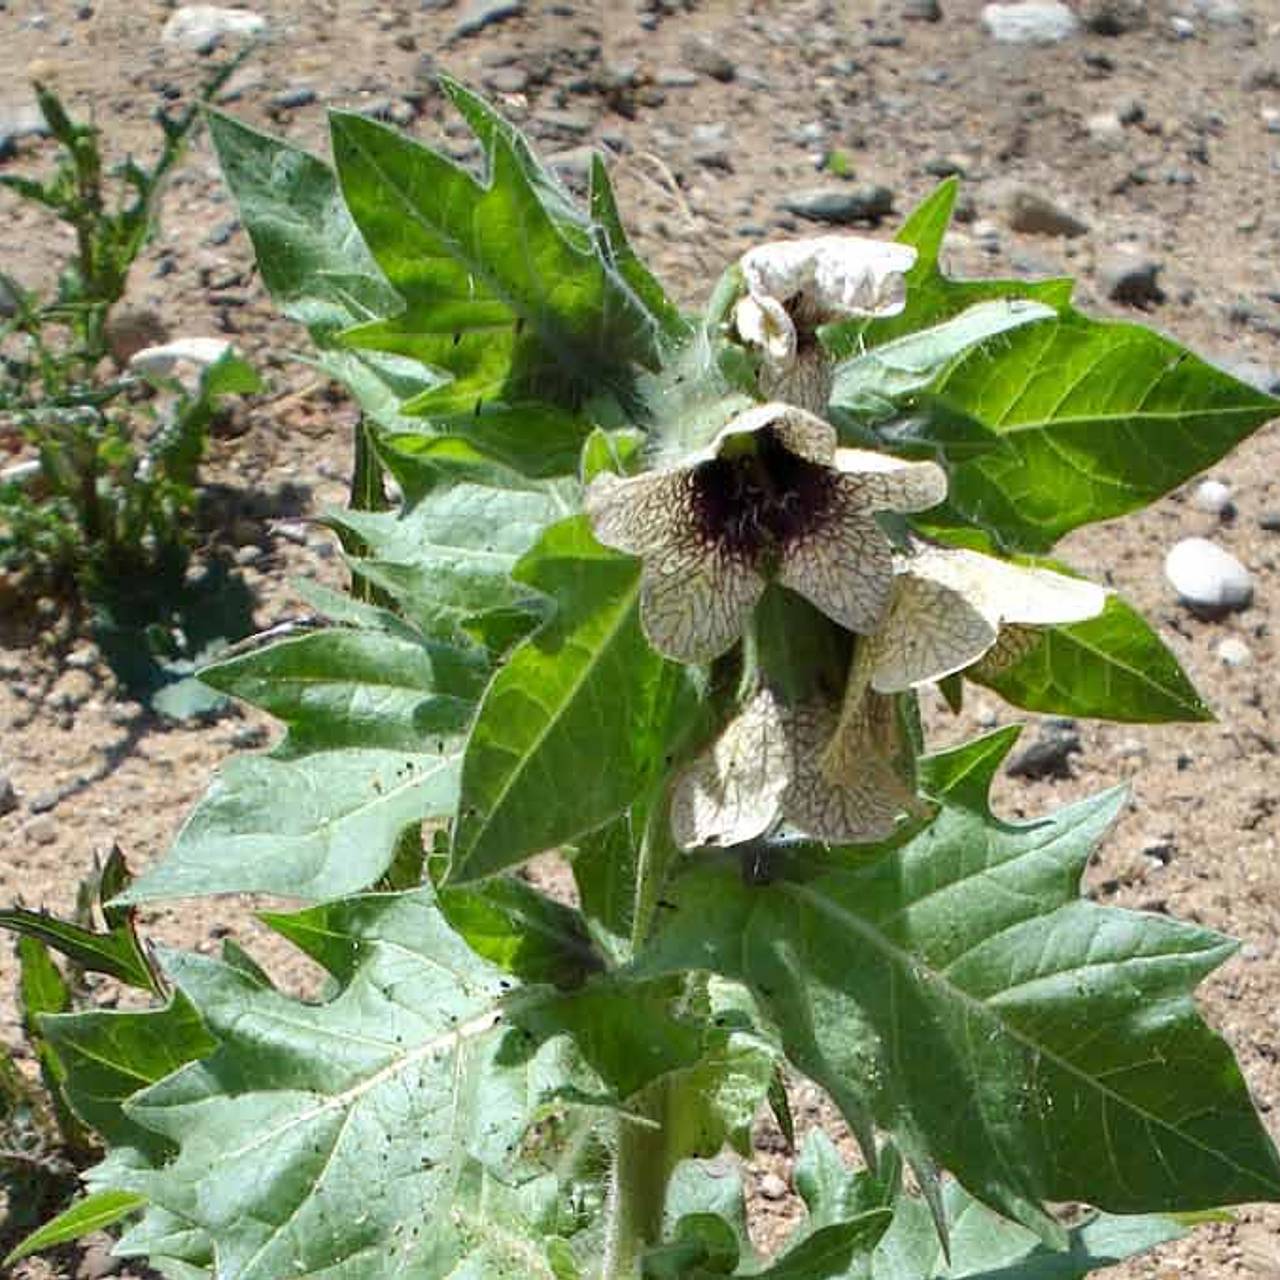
(769, 767)
(950, 607)
(793, 286)
(770, 499)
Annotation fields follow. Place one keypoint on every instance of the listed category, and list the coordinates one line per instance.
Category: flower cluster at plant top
(773, 498)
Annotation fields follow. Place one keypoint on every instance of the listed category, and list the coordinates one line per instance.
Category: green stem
(637, 1192)
(657, 850)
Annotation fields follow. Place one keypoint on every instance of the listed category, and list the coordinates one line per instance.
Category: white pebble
(773, 1187)
(1234, 652)
(1207, 578)
(1213, 497)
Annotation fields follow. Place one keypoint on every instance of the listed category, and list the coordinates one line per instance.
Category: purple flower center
(753, 505)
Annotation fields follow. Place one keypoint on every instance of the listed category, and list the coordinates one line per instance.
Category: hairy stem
(637, 1190)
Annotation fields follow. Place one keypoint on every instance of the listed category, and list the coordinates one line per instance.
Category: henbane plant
(656, 600)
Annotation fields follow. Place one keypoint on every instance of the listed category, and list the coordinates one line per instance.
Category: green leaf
(41, 987)
(1112, 667)
(931, 296)
(448, 556)
(956, 992)
(488, 262)
(313, 827)
(612, 237)
(878, 383)
(1097, 419)
(399, 1096)
(985, 1245)
(585, 697)
(109, 1055)
(116, 952)
(90, 1213)
(605, 865)
(349, 688)
(312, 259)
(522, 931)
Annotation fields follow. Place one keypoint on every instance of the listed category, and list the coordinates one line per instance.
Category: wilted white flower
(793, 286)
(769, 766)
(770, 499)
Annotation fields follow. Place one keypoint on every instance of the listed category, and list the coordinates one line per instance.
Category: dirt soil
(713, 112)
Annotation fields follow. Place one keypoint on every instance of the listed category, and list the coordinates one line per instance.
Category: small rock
(42, 829)
(576, 124)
(97, 1262)
(292, 99)
(83, 656)
(479, 14)
(203, 27)
(922, 10)
(133, 329)
(1114, 17)
(46, 801)
(1222, 13)
(1049, 756)
(1130, 110)
(772, 1187)
(1182, 28)
(704, 56)
(247, 555)
(1106, 129)
(1214, 498)
(1233, 652)
(1269, 521)
(1028, 211)
(863, 202)
(1131, 279)
(1266, 76)
(1209, 580)
(19, 122)
(1029, 22)
(8, 795)
(510, 79)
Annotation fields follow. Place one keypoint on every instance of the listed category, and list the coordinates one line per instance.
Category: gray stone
(704, 56)
(1028, 211)
(1269, 521)
(1114, 17)
(1214, 498)
(292, 99)
(1209, 580)
(17, 122)
(8, 795)
(922, 10)
(46, 801)
(1131, 278)
(479, 14)
(772, 1187)
(133, 329)
(511, 79)
(42, 829)
(862, 202)
(1029, 22)
(1106, 130)
(1222, 13)
(1233, 652)
(707, 58)
(576, 124)
(1182, 28)
(1049, 756)
(203, 27)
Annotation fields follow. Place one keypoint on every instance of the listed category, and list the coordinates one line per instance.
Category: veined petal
(1011, 592)
(762, 321)
(886, 483)
(797, 430)
(637, 514)
(731, 792)
(1013, 645)
(845, 566)
(695, 600)
(851, 796)
(929, 631)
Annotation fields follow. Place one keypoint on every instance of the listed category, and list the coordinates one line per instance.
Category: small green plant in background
(657, 599)
(104, 510)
